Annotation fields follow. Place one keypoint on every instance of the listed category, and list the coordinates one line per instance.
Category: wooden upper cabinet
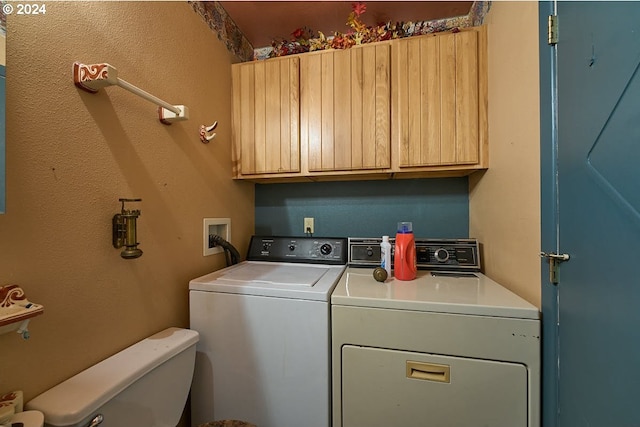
(439, 99)
(401, 108)
(346, 109)
(266, 111)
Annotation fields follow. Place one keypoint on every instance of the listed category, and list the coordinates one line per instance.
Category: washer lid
(274, 274)
(276, 279)
(477, 295)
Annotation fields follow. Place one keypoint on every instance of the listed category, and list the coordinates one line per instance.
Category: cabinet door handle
(428, 371)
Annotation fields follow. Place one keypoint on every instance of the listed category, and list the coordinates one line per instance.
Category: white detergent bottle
(385, 255)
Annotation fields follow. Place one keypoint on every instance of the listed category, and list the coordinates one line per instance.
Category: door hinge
(552, 30)
(554, 262)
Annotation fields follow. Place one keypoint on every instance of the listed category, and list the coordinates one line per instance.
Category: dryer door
(384, 388)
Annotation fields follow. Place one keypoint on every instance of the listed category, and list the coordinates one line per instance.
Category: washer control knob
(325, 249)
(442, 255)
(292, 247)
(369, 252)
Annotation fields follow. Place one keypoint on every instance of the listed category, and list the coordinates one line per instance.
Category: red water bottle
(404, 263)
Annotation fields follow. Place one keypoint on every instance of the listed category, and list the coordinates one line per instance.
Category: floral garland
(303, 40)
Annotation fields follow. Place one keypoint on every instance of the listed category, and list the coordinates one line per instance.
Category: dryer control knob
(442, 255)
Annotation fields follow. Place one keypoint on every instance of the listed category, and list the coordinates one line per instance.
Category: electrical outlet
(308, 225)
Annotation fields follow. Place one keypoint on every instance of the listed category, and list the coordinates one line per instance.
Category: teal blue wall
(438, 208)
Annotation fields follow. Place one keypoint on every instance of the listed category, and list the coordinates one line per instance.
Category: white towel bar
(92, 77)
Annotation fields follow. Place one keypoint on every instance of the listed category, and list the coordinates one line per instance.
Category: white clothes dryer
(451, 348)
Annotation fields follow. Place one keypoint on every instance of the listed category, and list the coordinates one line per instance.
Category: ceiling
(264, 21)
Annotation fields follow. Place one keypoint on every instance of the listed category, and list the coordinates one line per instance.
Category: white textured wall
(504, 202)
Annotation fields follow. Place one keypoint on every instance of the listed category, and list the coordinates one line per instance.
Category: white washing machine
(264, 349)
(451, 348)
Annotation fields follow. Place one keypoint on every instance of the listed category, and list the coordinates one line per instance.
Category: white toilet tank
(145, 385)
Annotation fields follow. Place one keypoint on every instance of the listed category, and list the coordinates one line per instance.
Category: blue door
(591, 211)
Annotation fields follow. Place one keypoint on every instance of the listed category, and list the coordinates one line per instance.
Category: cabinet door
(266, 111)
(345, 108)
(439, 100)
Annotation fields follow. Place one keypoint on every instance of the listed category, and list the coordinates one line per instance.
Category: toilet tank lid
(78, 397)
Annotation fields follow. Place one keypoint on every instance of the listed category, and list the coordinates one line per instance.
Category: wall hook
(205, 132)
